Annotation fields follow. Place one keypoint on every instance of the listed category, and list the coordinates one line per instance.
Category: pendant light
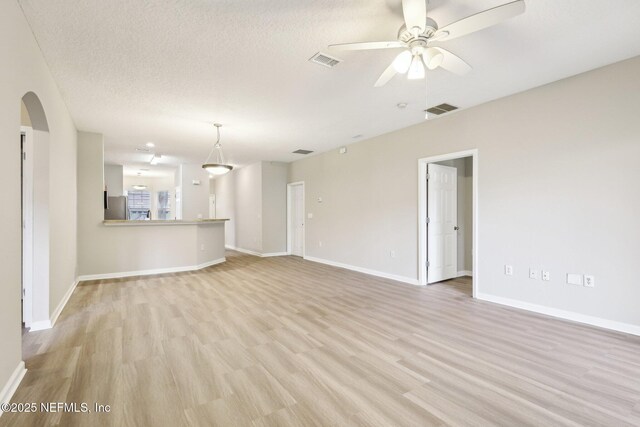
(218, 167)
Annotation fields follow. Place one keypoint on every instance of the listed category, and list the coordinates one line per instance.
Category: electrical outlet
(574, 279)
(546, 276)
(534, 274)
(508, 270)
(589, 281)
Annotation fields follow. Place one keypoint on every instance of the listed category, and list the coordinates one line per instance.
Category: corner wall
(25, 70)
(554, 169)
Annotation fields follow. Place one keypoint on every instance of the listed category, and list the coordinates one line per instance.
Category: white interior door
(442, 211)
(296, 219)
(26, 141)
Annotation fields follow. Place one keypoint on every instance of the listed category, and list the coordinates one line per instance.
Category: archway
(34, 140)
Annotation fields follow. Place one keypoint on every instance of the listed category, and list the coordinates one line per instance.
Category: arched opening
(34, 144)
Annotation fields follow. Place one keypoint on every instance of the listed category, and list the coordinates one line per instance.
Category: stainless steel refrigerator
(116, 208)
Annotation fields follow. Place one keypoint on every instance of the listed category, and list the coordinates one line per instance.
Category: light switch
(574, 279)
(310, 215)
(546, 276)
(508, 270)
(534, 274)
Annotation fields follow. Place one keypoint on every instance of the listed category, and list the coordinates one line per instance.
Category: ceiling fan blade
(415, 14)
(480, 21)
(386, 76)
(452, 62)
(369, 45)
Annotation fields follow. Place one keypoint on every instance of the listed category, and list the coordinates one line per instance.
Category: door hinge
(24, 156)
(428, 176)
(428, 264)
(428, 220)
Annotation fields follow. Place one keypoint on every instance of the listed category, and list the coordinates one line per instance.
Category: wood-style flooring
(287, 342)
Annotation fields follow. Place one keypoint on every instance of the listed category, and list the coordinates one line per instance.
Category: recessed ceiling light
(402, 105)
(357, 136)
(144, 150)
(150, 144)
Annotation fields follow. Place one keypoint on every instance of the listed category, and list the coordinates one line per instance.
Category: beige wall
(25, 70)
(255, 199)
(248, 207)
(224, 189)
(114, 180)
(554, 169)
(195, 198)
(274, 207)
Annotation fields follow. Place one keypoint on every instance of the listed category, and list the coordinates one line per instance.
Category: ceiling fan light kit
(419, 31)
(218, 167)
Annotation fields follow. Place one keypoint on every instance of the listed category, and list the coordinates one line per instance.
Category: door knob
(456, 228)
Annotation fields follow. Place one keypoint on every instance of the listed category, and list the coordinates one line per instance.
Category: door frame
(422, 213)
(289, 230)
(27, 225)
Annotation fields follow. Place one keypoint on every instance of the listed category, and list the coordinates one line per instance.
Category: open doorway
(448, 226)
(34, 158)
(295, 219)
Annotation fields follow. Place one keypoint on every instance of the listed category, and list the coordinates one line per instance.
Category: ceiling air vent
(324, 59)
(441, 109)
(302, 152)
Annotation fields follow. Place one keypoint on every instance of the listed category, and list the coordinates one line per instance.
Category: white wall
(274, 207)
(113, 180)
(554, 169)
(25, 70)
(195, 198)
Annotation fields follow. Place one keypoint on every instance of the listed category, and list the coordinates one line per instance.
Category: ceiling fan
(419, 31)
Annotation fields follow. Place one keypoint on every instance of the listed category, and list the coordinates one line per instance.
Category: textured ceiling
(164, 70)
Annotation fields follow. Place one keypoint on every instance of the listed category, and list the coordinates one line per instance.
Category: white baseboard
(563, 314)
(274, 254)
(254, 253)
(149, 272)
(12, 384)
(40, 326)
(63, 303)
(397, 278)
(465, 273)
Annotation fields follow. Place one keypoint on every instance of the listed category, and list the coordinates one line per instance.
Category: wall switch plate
(534, 274)
(320, 243)
(546, 276)
(343, 150)
(574, 279)
(202, 247)
(392, 254)
(310, 215)
(319, 199)
(508, 270)
(589, 281)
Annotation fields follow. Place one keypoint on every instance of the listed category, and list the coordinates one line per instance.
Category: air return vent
(302, 152)
(441, 109)
(324, 59)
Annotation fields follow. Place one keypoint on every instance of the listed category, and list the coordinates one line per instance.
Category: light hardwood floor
(287, 342)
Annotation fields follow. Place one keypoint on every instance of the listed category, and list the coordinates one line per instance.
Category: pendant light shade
(416, 70)
(218, 167)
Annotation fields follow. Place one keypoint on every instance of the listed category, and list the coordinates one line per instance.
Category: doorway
(34, 166)
(295, 219)
(26, 205)
(448, 238)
